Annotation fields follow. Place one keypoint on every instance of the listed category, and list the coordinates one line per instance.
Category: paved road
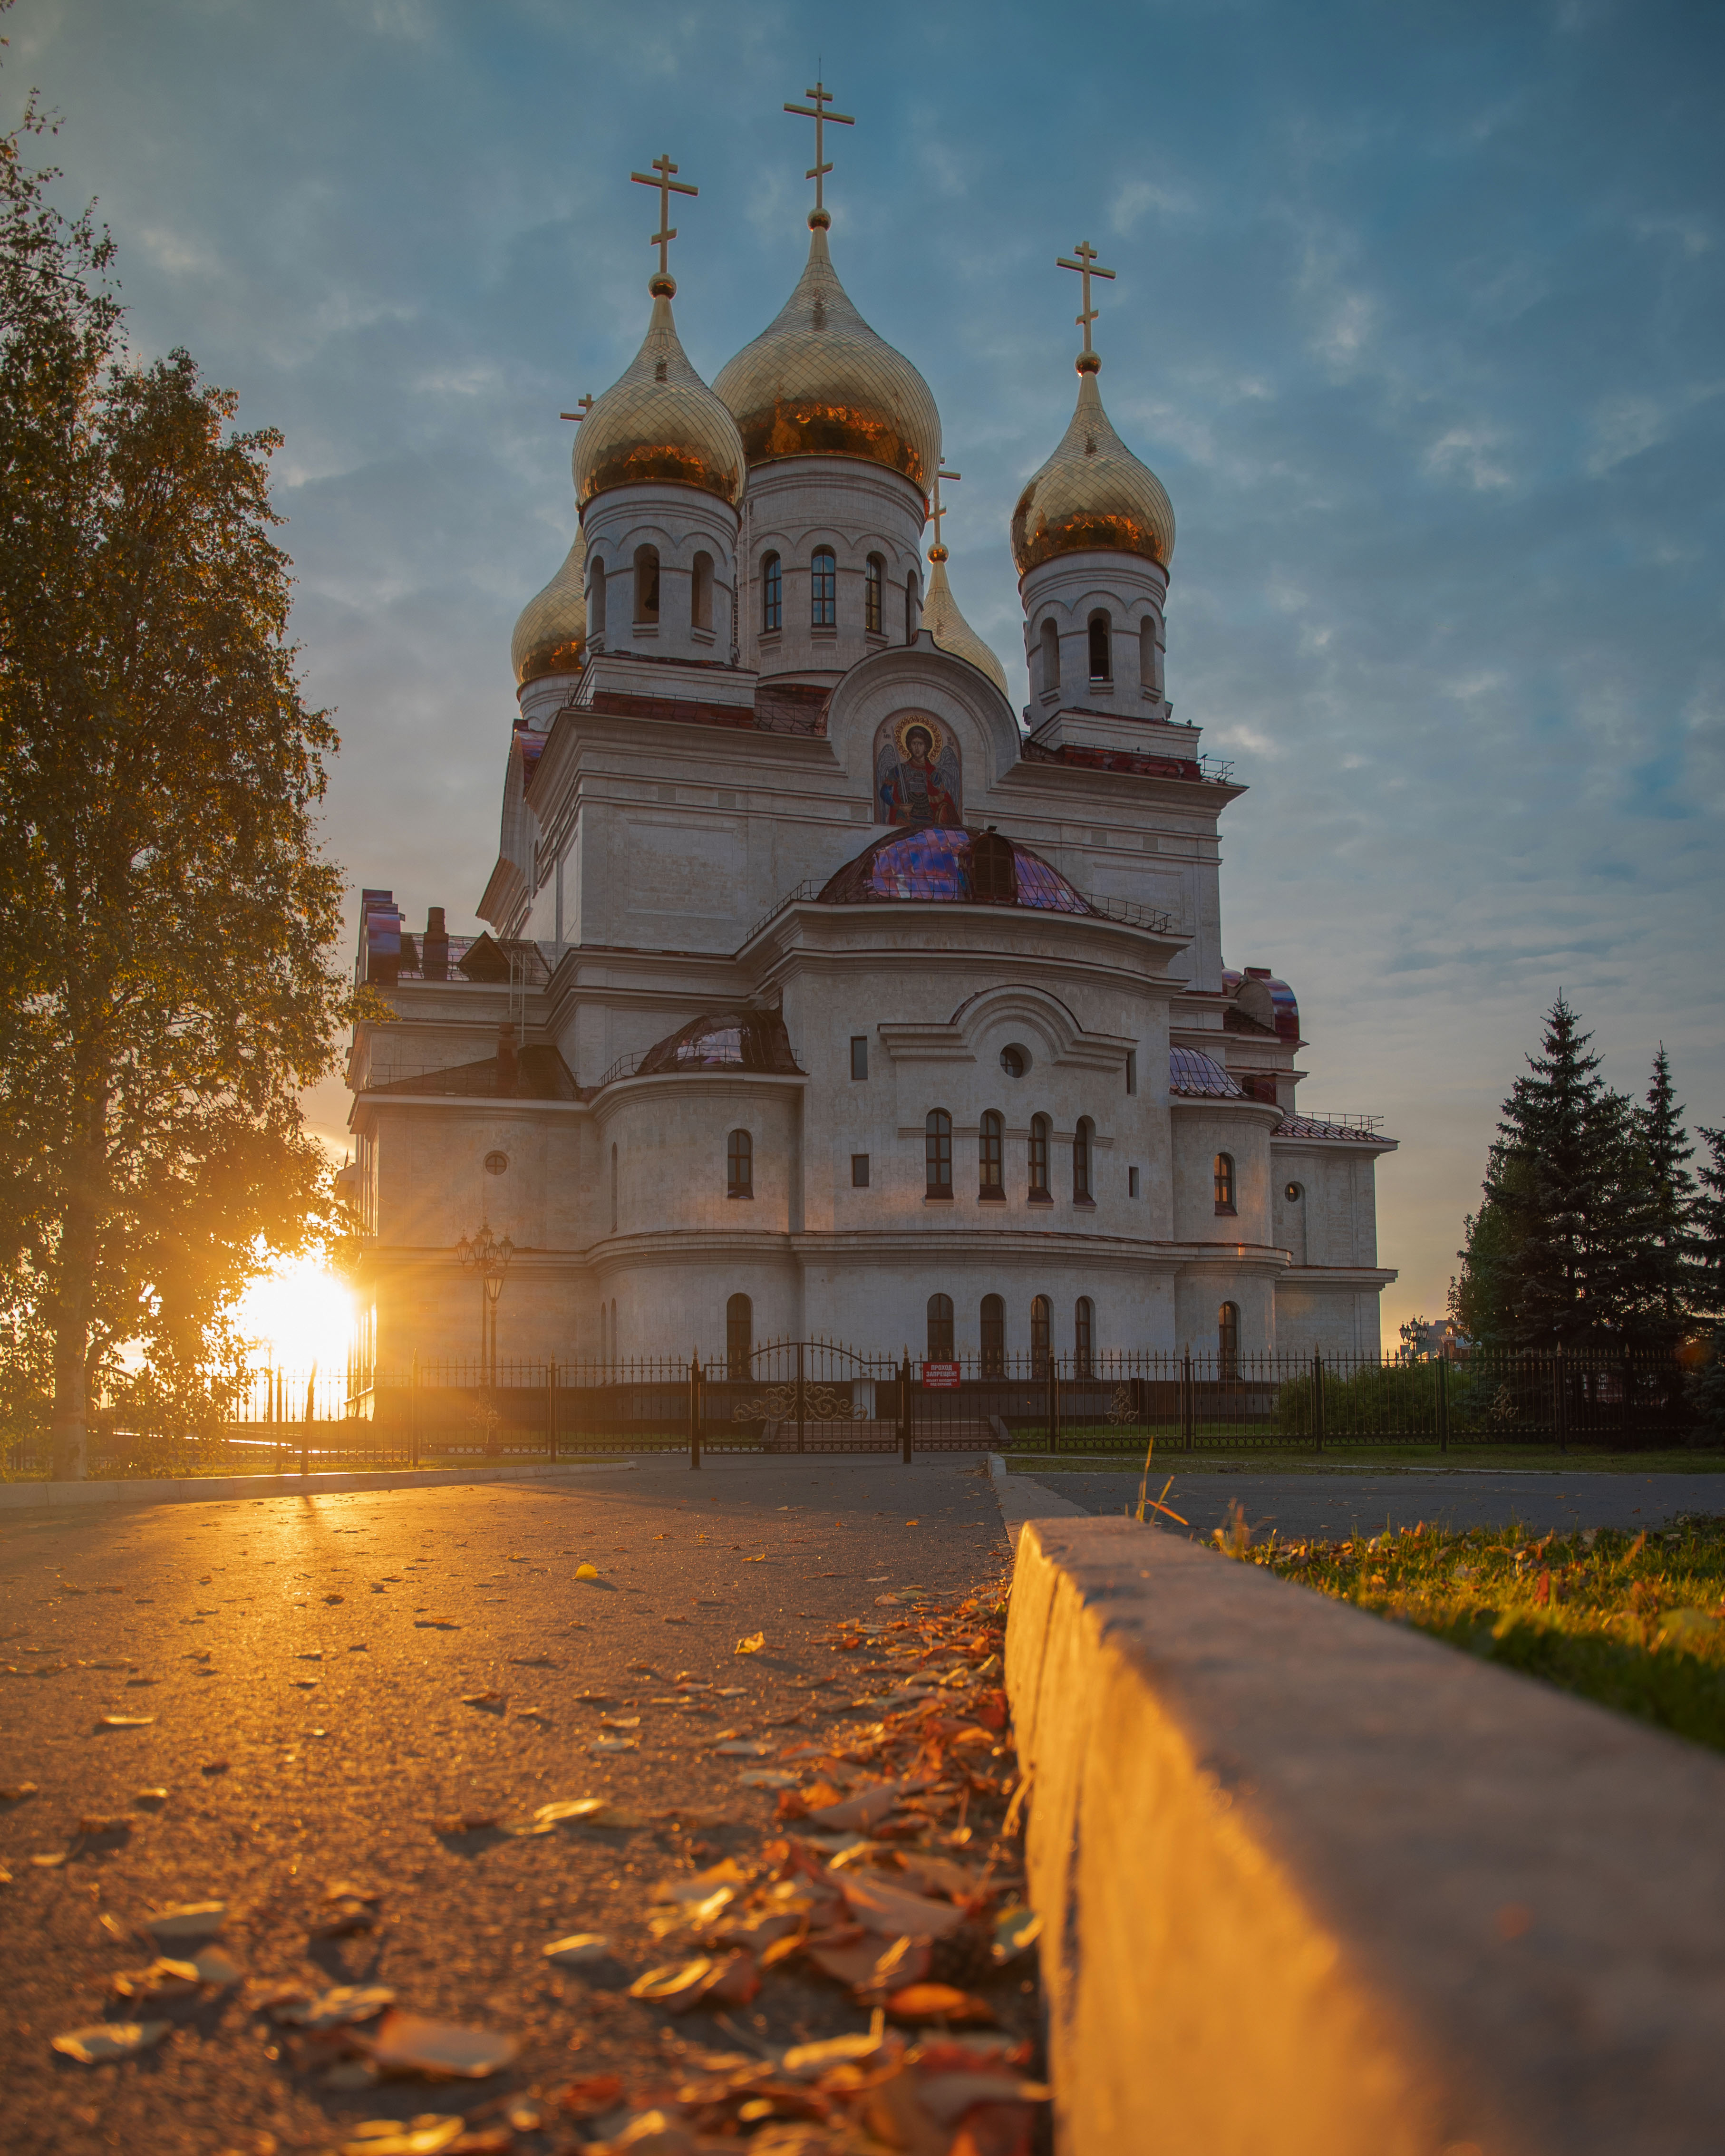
(306, 1661)
(1335, 1505)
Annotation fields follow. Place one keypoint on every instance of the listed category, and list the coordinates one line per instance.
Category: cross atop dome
(937, 552)
(1087, 267)
(818, 170)
(660, 177)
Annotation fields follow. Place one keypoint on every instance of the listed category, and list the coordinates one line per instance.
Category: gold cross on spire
(818, 113)
(667, 187)
(583, 405)
(936, 511)
(1087, 267)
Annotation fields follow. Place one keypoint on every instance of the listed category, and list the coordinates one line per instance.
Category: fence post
(801, 1399)
(1317, 1398)
(305, 1426)
(1054, 1401)
(413, 1413)
(1188, 1405)
(1443, 1403)
(551, 1406)
(1633, 1442)
(1560, 1400)
(694, 1411)
(906, 1429)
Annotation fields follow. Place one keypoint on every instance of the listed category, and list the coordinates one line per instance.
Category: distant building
(823, 994)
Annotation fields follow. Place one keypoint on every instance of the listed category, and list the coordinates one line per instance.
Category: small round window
(1293, 1193)
(1014, 1061)
(495, 1163)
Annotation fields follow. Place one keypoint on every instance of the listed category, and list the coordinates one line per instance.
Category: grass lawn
(1376, 1460)
(1635, 1623)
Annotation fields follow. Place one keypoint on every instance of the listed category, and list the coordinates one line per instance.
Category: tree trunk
(79, 1230)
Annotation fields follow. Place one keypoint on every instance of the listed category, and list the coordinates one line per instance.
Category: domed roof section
(721, 1040)
(961, 866)
(550, 635)
(660, 422)
(949, 629)
(818, 383)
(1092, 493)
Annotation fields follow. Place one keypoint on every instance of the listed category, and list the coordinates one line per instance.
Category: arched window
(824, 589)
(646, 584)
(1101, 656)
(991, 1156)
(1050, 659)
(1082, 1144)
(616, 1338)
(604, 1333)
(1041, 1329)
(913, 605)
(772, 595)
(1224, 1182)
(993, 1337)
(739, 1336)
(993, 873)
(940, 1328)
(596, 600)
(1084, 1325)
(1147, 653)
(937, 1152)
(739, 1165)
(613, 1190)
(1227, 1340)
(700, 593)
(1039, 1159)
(874, 580)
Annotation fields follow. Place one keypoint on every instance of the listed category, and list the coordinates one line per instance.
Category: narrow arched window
(1083, 1141)
(1147, 653)
(1224, 1182)
(613, 1190)
(1227, 1340)
(604, 1334)
(874, 580)
(1050, 659)
(994, 872)
(993, 1337)
(772, 594)
(739, 1165)
(739, 1336)
(912, 606)
(1039, 1156)
(700, 593)
(1101, 657)
(940, 1328)
(596, 600)
(646, 584)
(824, 589)
(1084, 1325)
(937, 1152)
(991, 1156)
(1042, 1333)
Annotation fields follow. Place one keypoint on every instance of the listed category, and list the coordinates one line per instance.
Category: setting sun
(298, 1313)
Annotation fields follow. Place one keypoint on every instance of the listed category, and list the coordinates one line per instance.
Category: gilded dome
(818, 383)
(1092, 493)
(949, 629)
(659, 422)
(551, 635)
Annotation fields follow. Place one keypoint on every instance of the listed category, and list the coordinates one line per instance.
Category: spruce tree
(1707, 1224)
(1660, 1254)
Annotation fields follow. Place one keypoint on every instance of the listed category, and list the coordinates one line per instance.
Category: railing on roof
(625, 1066)
(1339, 1119)
(802, 893)
(1218, 770)
(1133, 914)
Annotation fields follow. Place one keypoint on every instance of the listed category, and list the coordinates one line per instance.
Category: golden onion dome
(818, 383)
(551, 635)
(1092, 493)
(659, 422)
(949, 629)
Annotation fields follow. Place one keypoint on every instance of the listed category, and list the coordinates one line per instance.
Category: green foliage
(165, 916)
(1633, 1623)
(1397, 1397)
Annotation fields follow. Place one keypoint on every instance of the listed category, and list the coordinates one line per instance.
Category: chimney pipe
(508, 1064)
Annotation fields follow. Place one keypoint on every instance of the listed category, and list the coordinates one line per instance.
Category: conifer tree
(1706, 1288)
(1660, 1256)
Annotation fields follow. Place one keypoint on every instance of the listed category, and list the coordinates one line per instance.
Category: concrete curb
(1311, 1881)
(1021, 1498)
(196, 1490)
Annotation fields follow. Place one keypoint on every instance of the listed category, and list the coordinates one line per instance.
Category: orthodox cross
(584, 405)
(667, 187)
(818, 113)
(1087, 267)
(937, 513)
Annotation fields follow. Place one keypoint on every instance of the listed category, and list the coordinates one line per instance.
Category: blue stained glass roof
(961, 866)
(1191, 1073)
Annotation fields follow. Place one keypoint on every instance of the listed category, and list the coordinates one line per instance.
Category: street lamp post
(488, 1256)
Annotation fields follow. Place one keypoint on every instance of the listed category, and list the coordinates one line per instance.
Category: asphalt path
(1333, 1506)
(303, 1663)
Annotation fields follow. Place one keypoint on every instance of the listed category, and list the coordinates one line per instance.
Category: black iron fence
(819, 1397)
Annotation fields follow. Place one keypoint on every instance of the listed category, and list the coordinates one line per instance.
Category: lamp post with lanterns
(489, 1256)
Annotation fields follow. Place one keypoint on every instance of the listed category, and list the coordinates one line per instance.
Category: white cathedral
(825, 995)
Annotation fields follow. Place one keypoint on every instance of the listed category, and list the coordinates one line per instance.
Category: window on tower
(596, 600)
(1101, 657)
(937, 1153)
(740, 1165)
(874, 579)
(1147, 653)
(646, 585)
(940, 1328)
(1224, 1182)
(1083, 1141)
(1084, 1325)
(1050, 659)
(772, 595)
(991, 1156)
(913, 605)
(1039, 1192)
(824, 589)
(700, 593)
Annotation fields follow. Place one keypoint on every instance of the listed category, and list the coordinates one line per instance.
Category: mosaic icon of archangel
(917, 776)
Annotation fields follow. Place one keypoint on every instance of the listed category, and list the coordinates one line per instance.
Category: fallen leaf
(808, 2062)
(126, 1721)
(615, 1744)
(856, 1814)
(578, 1950)
(50, 1861)
(619, 1721)
(214, 1767)
(350, 1919)
(388, 2137)
(937, 2002)
(766, 1777)
(328, 1598)
(752, 1645)
(490, 1702)
(678, 1986)
(742, 1749)
(163, 1979)
(106, 2041)
(412, 2044)
(655, 2133)
(593, 2093)
(464, 1822)
(587, 1572)
(95, 1824)
(213, 1967)
(339, 2007)
(16, 1792)
(187, 1920)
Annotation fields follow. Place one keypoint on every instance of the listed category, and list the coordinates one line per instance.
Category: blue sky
(1418, 315)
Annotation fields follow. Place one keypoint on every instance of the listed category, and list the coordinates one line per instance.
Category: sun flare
(298, 1313)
